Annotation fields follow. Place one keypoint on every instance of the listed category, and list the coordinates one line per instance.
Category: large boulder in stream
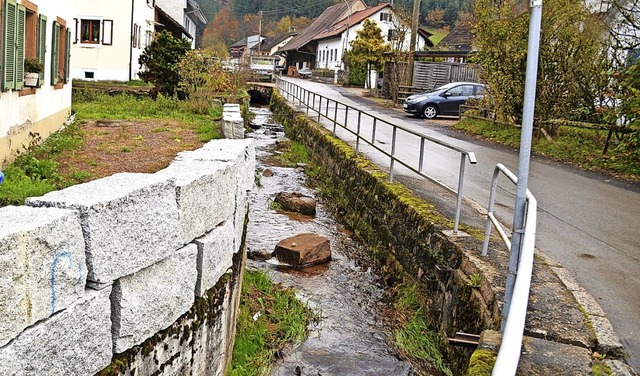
(296, 202)
(303, 250)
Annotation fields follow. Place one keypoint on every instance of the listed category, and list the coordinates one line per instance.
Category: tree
(286, 24)
(572, 65)
(368, 49)
(435, 18)
(159, 62)
(629, 109)
(224, 26)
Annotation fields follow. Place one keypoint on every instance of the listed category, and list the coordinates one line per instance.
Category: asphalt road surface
(588, 223)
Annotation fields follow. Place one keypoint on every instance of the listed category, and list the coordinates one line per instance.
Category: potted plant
(32, 69)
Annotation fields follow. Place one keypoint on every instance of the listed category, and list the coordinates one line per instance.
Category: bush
(202, 80)
(160, 62)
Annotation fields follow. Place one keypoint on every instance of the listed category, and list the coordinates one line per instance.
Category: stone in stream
(303, 250)
(296, 202)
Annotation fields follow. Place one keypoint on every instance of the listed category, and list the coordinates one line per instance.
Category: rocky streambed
(350, 338)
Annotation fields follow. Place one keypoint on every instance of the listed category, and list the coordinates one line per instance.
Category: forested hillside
(239, 18)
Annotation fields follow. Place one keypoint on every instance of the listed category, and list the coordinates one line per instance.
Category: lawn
(582, 148)
(110, 134)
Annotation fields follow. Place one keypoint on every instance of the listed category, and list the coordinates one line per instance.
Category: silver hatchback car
(445, 100)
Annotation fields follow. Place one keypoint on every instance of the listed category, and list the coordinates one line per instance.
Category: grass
(292, 153)
(579, 147)
(414, 338)
(270, 318)
(36, 170)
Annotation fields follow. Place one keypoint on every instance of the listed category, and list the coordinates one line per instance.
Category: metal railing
(514, 318)
(321, 104)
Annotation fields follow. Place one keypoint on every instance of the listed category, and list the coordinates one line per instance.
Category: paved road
(588, 223)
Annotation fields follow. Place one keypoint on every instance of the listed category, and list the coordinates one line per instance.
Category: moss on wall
(481, 363)
(204, 315)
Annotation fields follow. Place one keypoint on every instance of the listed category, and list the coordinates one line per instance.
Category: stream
(350, 338)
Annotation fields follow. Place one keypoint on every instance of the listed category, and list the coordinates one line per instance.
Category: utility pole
(259, 31)
(414, 36)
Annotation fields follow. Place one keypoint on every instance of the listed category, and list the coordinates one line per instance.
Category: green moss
(600, 369)
(481, 363)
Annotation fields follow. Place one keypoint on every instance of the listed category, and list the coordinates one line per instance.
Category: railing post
(335, 118)
(346, 115)
(319, 109)
(358, 132)
(492, 198)
(326, 112)
(420, 163)
(463, 159)
(308, 95)
(393, 152)
(373, 131)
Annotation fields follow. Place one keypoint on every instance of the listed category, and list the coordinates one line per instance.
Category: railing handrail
(513, 332)
(465, 154)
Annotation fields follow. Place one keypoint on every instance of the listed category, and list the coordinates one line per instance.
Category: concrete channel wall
(461, 290)
(130, 274)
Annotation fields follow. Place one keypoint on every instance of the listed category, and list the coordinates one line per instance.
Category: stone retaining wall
(130, 274)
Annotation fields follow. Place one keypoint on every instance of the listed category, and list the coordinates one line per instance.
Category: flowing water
(350, 338)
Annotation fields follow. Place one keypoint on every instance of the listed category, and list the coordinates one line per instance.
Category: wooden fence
(426, 76)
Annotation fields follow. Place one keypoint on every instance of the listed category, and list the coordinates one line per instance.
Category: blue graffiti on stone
(64, 255)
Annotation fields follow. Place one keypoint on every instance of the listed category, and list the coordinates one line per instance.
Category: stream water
(350, 338)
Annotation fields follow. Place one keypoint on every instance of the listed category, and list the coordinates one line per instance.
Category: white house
(40, 30)
(109, 37)
(186, 13)
(332, 43)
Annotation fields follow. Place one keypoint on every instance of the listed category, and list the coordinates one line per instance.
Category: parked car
(445, 100)
(305, 72)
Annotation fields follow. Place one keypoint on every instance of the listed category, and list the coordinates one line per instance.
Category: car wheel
(430, 111)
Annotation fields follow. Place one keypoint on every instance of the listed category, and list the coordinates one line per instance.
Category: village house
(180, 17)
(110, 37)
(34, 36)
(323, 43)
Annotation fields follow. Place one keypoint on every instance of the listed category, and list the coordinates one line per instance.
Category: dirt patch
(113, 146)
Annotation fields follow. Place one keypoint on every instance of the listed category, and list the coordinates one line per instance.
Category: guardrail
(309, 99)
(518, 295)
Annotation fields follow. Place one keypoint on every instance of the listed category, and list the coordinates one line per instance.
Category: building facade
(109, 37)
(34, 33)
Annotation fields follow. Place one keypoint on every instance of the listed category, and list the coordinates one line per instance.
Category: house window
(90, 31)
(392, 35)
(60, 53)
(385, 17)
(135, 36)
(93, 31)
(19, 24)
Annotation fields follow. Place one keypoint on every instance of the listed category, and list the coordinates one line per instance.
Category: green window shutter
(67, 57)
(20, 24)
(10, 9)
(55, 46)
(42, 41)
